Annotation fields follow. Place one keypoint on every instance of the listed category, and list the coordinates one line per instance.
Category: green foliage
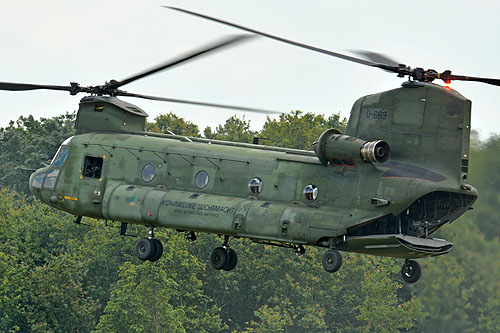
(489, 321)
(58, 277)
(58, 299)
(28, 143)
(283, 292)
(235, 129)
(12, 313)
(166, 296)
(299, 130)
(382, 310)
(461, 290)
(170, 122)
(487, 182)
(140, 302)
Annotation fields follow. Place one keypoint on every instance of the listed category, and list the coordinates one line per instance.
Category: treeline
(56, 276)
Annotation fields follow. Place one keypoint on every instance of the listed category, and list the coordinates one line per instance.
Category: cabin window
(50, 180)
(38, 180)
(148, 173)
(92, 167)
(255, 185)
(201, 179)
(311, 192)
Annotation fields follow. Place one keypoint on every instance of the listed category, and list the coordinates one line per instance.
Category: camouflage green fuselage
(360, 206)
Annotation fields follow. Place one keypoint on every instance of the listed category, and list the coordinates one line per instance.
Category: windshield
(60, 157)
(62, 153)
(38, 180)
(51, 179)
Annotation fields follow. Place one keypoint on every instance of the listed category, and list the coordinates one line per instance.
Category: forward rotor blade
(183, 101)
(288, 41)
(12, 86)
(187, 57)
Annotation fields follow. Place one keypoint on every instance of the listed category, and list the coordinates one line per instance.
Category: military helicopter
(397, 174)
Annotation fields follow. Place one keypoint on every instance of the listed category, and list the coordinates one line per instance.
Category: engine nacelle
(332, 146)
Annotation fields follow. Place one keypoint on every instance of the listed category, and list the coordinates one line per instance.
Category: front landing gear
(149, 248)
(332, 260)
(411, 271)
(223, 257)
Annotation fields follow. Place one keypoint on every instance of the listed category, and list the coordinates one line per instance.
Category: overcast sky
(91, 41)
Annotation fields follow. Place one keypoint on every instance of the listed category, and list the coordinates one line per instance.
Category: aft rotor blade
(284, 40)
(495, 82)
(376, 57)
(183, 101)
(187, 57)
(12, 86)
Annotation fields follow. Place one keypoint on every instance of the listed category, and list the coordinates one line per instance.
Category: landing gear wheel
(158, 250)
(411, 271)
(219, 258)
(332, 260)
(232, 260)
(300, 250)
(190, 236)
(144, 248)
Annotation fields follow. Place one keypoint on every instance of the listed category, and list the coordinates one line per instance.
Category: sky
(92, 41)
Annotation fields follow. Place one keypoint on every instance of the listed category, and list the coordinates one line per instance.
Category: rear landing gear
(158, 250)
(223, 257)
(232, 261)
(411, 271)
(149, 248)
(332, 260)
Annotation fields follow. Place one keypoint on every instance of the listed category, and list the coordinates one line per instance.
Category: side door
(92, 185)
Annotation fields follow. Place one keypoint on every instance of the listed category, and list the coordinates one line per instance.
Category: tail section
(427, 127)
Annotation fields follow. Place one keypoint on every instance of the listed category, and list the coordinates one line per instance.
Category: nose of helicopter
(36, 181)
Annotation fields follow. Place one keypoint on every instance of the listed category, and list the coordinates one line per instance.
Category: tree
(165, 296)
(482, 157)
(56, 276)
(234, 129)
(489, 321)
(28, 143)
(140, 302)
(12, 292)
(48, 285)
(460, 290)
(173, 123)
(272, 289)
(58, 300)
(299, 130)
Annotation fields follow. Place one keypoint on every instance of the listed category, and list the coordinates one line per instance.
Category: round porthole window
(201, 179)
(255, 185)
(148, 173)
(311, 192)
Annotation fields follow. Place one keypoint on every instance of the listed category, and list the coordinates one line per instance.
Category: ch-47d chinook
(397, 174)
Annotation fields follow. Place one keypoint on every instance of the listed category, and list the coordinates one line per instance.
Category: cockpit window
(60, 157)
(62, 153)
(38, 180)
(50, 180)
